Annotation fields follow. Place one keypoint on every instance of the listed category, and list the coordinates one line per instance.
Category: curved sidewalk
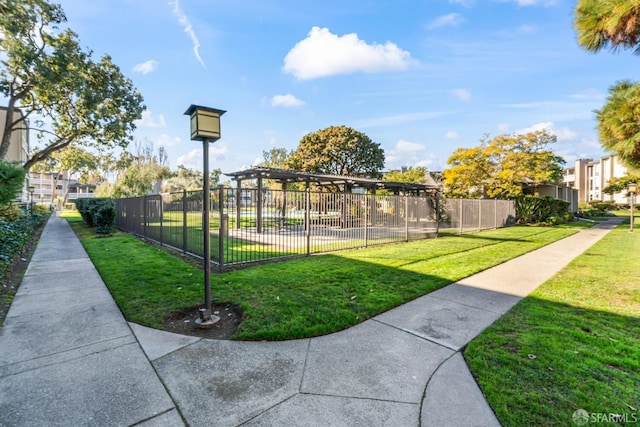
(67, 356)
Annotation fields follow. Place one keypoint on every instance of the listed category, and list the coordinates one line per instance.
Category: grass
(572, 344)
(302, 297)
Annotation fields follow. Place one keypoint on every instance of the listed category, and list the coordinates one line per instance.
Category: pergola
(344, 184)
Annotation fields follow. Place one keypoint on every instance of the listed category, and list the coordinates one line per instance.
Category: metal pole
(205, 228)
(631, 214)
(222, 231)
(184, 221)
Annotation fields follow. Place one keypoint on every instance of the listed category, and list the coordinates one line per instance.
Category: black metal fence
(248, 227)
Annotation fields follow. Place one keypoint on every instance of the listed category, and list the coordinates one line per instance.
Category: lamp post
(633, 189)
(205, 127)
(31, 190)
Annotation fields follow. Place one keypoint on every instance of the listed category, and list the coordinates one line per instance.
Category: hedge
(98, 212)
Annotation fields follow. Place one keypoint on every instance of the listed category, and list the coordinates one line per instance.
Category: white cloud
(452, 134)
(406, 153)
(287, 100)
(146, 67)
(545, 3)
(465, 3)
(324, 54)
(527, 29)
(400, 118)
(450, 20)
(166, 140)
(588, 94)
(503, 127)
(150, 121)
(193, 159)
(563, 134)
(462, 94)
(184, 21)
(408, 147)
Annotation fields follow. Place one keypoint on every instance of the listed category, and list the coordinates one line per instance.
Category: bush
(14, 235)
(11, 181)
(533, 209)
(603, 206)
(98, 212)
(11, 213)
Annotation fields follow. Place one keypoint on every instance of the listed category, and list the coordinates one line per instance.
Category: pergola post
(238, 204)
(259, 207)
(283, 216)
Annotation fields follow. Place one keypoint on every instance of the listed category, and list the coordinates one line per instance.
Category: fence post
(221, 228)
(145, 216)
(259, 207)
(184, 221)
(161, 208)
(480, 207)
(406, 218)
(366, 220)
(460, 215)
(307, 218)
(437, 216)
(495, 213)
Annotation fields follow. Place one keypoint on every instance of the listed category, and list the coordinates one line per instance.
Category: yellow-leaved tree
(500, 167)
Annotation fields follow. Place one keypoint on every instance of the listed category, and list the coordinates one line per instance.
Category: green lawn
(572, 344)
(307, 296)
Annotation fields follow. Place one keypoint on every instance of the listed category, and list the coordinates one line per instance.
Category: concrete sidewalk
(67, 357)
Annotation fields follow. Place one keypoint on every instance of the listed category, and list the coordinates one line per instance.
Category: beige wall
(590, 177)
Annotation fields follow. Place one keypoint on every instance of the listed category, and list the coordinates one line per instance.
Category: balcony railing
(74, 196)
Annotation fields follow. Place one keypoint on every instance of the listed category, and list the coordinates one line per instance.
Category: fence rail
(253, 226)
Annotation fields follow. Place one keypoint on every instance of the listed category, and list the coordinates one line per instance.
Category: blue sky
(421, 78)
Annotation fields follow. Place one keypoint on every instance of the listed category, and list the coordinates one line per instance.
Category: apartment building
(18, 147)
(590, 177)
(55, 188)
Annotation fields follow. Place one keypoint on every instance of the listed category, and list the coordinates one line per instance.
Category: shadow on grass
(544, 360)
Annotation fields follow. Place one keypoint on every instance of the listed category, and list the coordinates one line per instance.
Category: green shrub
(603, 206)
(11, 181)
(533, 209)
(98, 212)
(14, 235)
(11, 213)
(104, 216)
(41, 209)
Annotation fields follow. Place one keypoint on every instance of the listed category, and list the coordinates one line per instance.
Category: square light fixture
(205, 123)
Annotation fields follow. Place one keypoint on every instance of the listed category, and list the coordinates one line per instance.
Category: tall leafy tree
(501, 166)
(610, 24)
(141, 170)
(276, 158)
(46, 74)
(618, 122)
(338, 150)
(414, 175)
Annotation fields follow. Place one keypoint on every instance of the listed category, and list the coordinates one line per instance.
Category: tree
(189, 179)
(618, 122)
(338, 150)
(501, 166)
(142, 169)
(608, 23)
(616, 185)
(276, 158)
(46, 74)
(414, 175)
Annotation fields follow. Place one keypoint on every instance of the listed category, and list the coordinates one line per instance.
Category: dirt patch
(184, 322)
